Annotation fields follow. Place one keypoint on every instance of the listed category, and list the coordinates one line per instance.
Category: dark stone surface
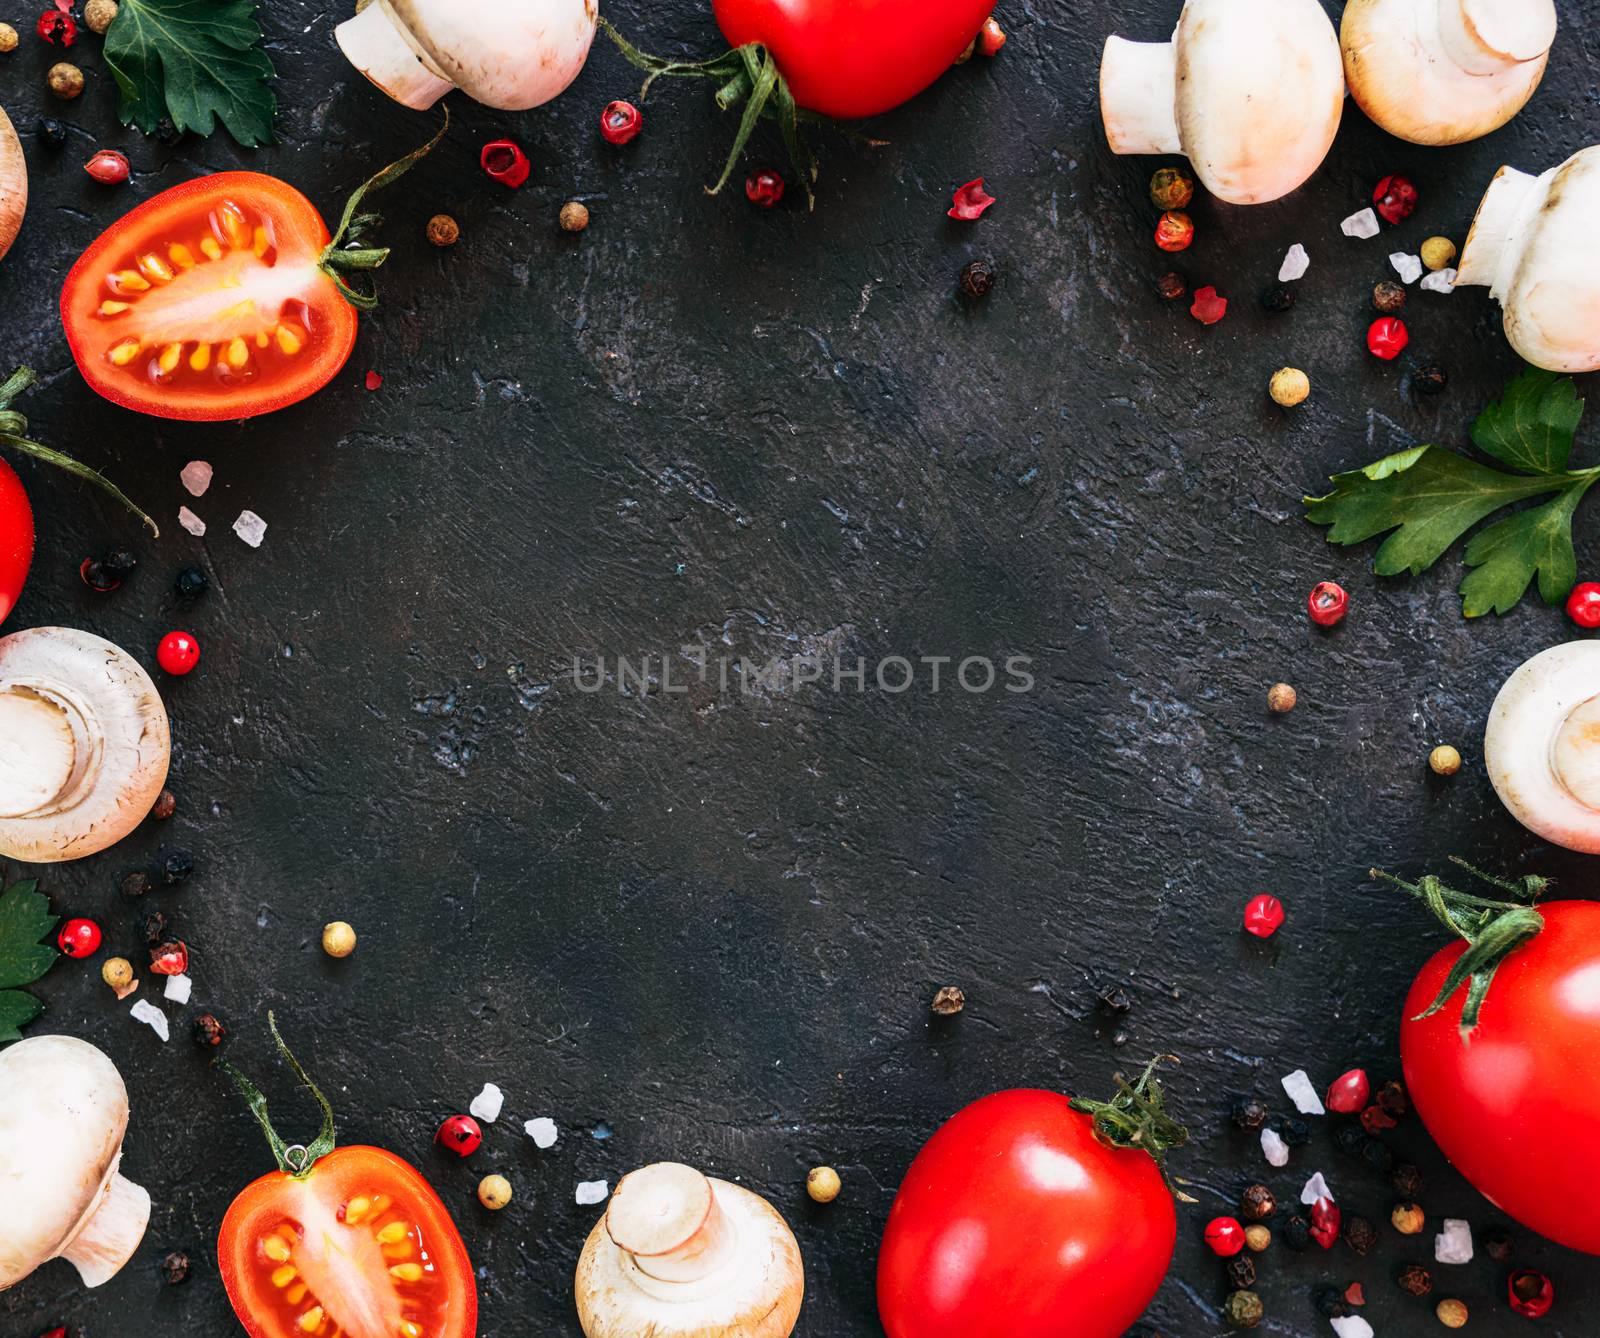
(714, 921)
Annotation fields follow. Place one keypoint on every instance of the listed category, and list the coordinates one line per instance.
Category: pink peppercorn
(1387, 338)
(1224, 1236)
(1263, 916)
(1207, 307)
(1325, 1219)
(1175, 231)
(1531, 1293)
(1395, 198)
(1349, 1092)
(1327, 603)
(764, 188)
(504, 160)
(620, 122)
(108, 167)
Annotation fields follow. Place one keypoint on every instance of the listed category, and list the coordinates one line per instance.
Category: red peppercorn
(461, 1134)
(1325, 1222)
(1395, 199)
(57, 28)
(1174, 231)
(108, 167)
(1349, 1092)
(178, 652)
(1225, 1236)
(764, 188)
(79, 938)
(504, 160)
(1327, 603)
(374, 380)
(1583, 604)
(620, 122)
(1387, 337)
(1263, 916)
(1531, 1293)
(170, 958)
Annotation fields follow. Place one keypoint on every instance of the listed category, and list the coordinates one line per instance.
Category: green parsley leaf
(24, 919)
(16, 1011)
(1430, 497)
(192, 61)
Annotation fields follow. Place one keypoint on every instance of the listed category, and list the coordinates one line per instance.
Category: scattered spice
(1531, 1293)
(822, 1184)
(1174, 231)
(1415, 1279)
(1257, 1238)
(1289, 387)
(504, 160)
(79, 938)
(208, 1031)
(1408, 1219)
(1375, 1120)
(57, 27)
(178, 653)
(52, 133)
(1387, 338)
(1360, 1235)
(165, 806)
(494, 1192)
(373, 380)
(1224, 1236)
(1444, 760)
(977, 278)
(620, 122)
(1348, 1093)
(1243, 1310)
(1583, 604)
(1438, 252)
(170, 958)
(1171, 188)
(1208, 308)
(765, 188)
(1297, 1233)
(98, 577)
(1452, 1313)
(1172, 285)
(969, 202)
(1407, 1181)
(443, 230)
(1281, 698)
(117, 973)
(461, 1134)
(65, 80)
(1241, 1272)
(97, 14)
(190, 583)
(175, 1268)
(949, 1000)
(1263, 917)
(1430, 380)
(177, 867)
(1257, 1204)
(1389, 297)
(1395, 199)
(991, 37)
(574, 216)
(1279, 298)
(108, 167)
(8, 38)
(155, 928)
(1392, 1097)
(1327, 603)
(338, 939)
(1325, 1219)
(1249, 1114)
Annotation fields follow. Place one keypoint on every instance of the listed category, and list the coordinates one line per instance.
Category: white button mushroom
(1445, 71)
(1542, 745)
(84, 744)
(63, 1114)
(1251, 91)
(1532, 245)
(13, 184)
(679, 1255)
(513, 54)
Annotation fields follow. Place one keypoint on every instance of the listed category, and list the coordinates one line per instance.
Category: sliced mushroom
(13, 184)
(680, 1255)
(1445, 71)
(63, 1115)
(1542, 745)
(1532, 245)
(84, 744)
(513, 55)
(1250, 91)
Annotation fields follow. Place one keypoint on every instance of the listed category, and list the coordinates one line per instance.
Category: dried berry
(1408, 1219)
(1171, 188)
(8, 38)
(1263, 916)
(1241, 1272)
(1248, 1113)
(1330, 1303)
(1289, 387)
(98, 14)
(1172, 285)
(1414, 1278)
(1395, 199)
(461, 1134)
(1360, 1235)
(1389, 297)
(620, 122)
(442, 230)
(977, 278)
(1327, 603)
(1452, 1313)
(1243, 1310)
(175, 1268)
(504, 160)
(170, 958)
(135, 884)
(190, 583)
(1293, 1130)
(108, 167)
(65, 80)
(1407, 1181)
(1208, 308)
(177, 867)
(165, 806)
(765, 188)
(1531, 1293)
(155, 928)
(208, 1031)
(57, 28)
(949, 1000)
(1257, 1204)
(1430, 380)
(1297, 1233)
(1387, 338)
(1257, 1238)
(52, 133)
(1444, 760)
(1279, 298)
(1281, 698)
(1175, 231)
(574, 216)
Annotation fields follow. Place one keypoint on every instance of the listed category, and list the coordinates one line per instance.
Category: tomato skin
(854, 58)
(1015, 1221)
(301, 235)
(334, 1179)
(1517, 1108)
(16, 539)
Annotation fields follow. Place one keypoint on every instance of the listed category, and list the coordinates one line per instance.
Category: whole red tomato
(1516, 1105)
(852, 58)
(16, 538)
(1017, 1221)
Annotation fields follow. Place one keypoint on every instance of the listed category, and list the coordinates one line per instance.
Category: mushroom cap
(1259, 96)
(1542, 745)
(1435, 82)
(63, 1114)
(13, 184)
(84, 744)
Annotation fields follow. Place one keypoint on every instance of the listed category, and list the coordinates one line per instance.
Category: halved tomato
(359, 1245)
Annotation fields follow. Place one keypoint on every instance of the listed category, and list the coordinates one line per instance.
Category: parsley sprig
(24, 919)
(1430, 497)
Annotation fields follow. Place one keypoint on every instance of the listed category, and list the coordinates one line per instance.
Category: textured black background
(715, 921)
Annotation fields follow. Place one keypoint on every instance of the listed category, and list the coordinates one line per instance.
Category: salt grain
(486, 1105)
(178, 989)
(1295, 264)
(1315, 1190)
(591, 1191)
(1361, 226)
(1453, 1245)
(191, 522)
(1276, 1150)
(1303, 1094)
(251, 528)
(1351, 1326)
(1409, 268)
(542, 1131)
(196, 476)
(146, 1012)
(1440, 281)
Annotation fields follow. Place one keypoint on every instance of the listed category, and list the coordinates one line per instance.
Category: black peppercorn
(1349, 1139)
(120, 563)
(1497, 1245)
(1414, 1278)
(52, 133)
(1407, 1182)
(1172, 286)
(1241, 1272)
(1116, 999)
(1243, 1310)
(208, 1031)
(1389, 297)
(1257, 1204)
(1279, 298)
(176, 867)
(1297, 1233)
(135, 884)
(1360, 1235)
(175, 1268)
(155, 928)
(1430, 380)
(977, 278)
(1330, 1303)
(1295, 1132)
(98, 577)
(1392, 1097)
(1375, 1152)
(1249, 1114)
(190, 583)
(167, 132)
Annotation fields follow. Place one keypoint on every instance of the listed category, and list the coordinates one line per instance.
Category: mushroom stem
(1488, 36)
(109, 1235)
(377, 44)
(666, 1218)
(1138, 96)
(1494, 242)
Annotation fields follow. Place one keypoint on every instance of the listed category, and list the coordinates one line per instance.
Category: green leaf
(1532, 427)
(1512, 551)
(24, 919)
(16, 1011)
(192, 61)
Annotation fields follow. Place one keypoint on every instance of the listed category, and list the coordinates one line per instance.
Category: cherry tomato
(16, 538)
(1016, 1221)
(1517, 1107)
(208, 302)
(359, 1244)
(847, 59)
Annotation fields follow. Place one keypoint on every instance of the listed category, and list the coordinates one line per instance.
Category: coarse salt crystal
(196, 476)
(1315, 1189)
(542, 1131)
(486, 1105)
(178, 989)
(251, 528)
(1276, 1150)
(146, 1012)
(1351, 1326)
(1303, 1094)
(1360, 226)
(591, 1191)
(191, 522)
(1453, 1245)
(1295, 264)
(1409, 268)
(1440, 281)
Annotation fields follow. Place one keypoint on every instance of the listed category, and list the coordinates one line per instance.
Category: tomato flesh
(361, 1246)
(16, 538)
(1517, 1108)
(1015, 1221)
(207, 302)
